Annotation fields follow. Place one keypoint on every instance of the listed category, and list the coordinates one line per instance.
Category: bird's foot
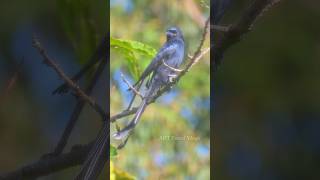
(172, 78)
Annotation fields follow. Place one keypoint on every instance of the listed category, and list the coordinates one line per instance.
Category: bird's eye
(173, 31)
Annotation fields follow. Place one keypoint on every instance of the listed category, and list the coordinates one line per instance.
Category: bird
(170, 54)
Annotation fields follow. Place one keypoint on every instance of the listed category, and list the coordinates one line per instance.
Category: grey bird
(172, 53)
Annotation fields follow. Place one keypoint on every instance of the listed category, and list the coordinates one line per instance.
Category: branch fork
(131, 87)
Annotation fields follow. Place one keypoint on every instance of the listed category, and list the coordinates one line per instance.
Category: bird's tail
(125, 131)
(97, 157)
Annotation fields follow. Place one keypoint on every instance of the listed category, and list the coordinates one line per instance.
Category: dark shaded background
(267, 118)
(31, 119)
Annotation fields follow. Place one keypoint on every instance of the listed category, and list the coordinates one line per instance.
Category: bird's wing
(163, 52)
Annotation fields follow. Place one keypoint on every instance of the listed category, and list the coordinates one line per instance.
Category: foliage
(130, 49)
(113, 151)
(84, 25)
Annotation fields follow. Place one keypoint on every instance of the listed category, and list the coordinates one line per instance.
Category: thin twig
(130, 86)
(123, 114)
(47, 60)
(241, 27)
(197, 58)
(45, 166)
(95, 58)
(76, 112)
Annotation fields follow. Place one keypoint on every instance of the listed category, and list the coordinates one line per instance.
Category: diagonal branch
(47, 60)
(95, 58)
(77, 110)
(130, 86)
(241, 27)
(45, 166)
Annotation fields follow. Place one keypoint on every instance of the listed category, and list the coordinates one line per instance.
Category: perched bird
(172, 54)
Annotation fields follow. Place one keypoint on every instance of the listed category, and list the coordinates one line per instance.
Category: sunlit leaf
(131, 51)
(113, 151)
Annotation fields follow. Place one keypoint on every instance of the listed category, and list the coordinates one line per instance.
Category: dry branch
(235, 31)
(47, 60)
(45, 166)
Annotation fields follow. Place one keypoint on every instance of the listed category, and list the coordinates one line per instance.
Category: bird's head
(174, 32)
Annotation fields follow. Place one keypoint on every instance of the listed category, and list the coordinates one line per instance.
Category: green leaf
(82, 26)
(133, 46)
(133, 51)
(113, 151)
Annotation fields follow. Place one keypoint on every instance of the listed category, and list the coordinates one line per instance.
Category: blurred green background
(31, 119)
(157, 149)
(267, 118)
(266, 92)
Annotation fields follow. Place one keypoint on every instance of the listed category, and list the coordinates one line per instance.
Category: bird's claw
(61, 89)
(172, 77)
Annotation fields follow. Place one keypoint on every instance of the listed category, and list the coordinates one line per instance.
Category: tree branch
(241, 27)
(49, 164)
(95, 58)
(76, 112)
(45, 166)
(47, 60)
(130, 86)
